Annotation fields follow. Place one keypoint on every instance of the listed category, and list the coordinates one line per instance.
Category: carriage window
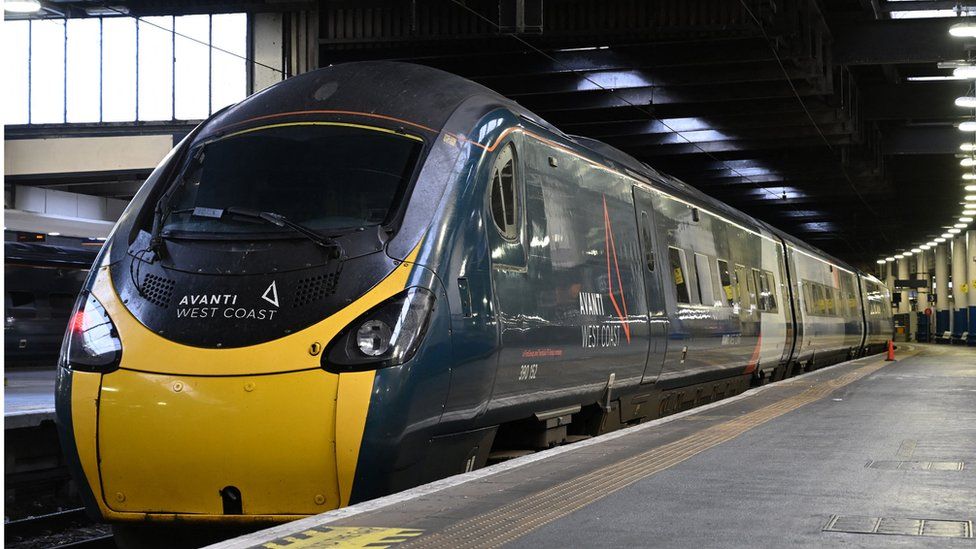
(725, 277)
(677, 259)
(830, 296)
(21, 299)
(756, 290)
(21, 305)
(503, 189)
(741, 280)
(704, 280)
(770, 288)
(61, 303)
(819, 307)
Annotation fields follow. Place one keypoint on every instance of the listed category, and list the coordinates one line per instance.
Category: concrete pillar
(904, 306)
(960, 296)
(922, 273)
(890, 277)
(942, 313)
(970, 260)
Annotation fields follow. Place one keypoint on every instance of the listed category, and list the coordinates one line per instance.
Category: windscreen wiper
(275, 219)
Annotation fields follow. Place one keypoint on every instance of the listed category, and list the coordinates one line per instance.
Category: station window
(677, 259)
(725, 278)
(123, 69)
(503, 193)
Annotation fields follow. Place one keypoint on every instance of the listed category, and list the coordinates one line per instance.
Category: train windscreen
(329, 177)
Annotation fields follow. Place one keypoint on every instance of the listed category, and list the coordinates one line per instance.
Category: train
(378, 274)
(41, 284)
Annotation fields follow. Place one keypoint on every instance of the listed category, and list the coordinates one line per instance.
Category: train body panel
(41, 284)
(521, 280)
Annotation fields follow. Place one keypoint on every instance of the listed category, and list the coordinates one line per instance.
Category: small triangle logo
(271, 294)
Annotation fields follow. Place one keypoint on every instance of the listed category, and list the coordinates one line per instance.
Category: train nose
(235, 445)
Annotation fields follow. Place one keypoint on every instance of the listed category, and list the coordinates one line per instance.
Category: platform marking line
(515, 519)
(343, 536)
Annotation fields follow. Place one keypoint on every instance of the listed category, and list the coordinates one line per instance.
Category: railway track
(60, 530)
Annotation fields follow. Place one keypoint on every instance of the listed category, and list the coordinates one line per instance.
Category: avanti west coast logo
(226, 306)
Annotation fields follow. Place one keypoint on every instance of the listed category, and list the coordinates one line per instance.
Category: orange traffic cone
(891, 350)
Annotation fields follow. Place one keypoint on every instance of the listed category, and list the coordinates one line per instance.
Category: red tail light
(92, 343)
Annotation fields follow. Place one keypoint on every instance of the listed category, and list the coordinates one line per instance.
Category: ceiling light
(924, 247)
(968, 147)
(965, 71)
(934, 78)
(970, 187)
(963, 30)
(22, 6)
(940, 240)
(961, 225)
(969, 212)
(969, 176)
(968, 126)
(966, 102)
(880, 262)
(916, 250)
(932, 244)
(899, 256)
(889, 259)
(953, 231)
(54, 234)
(970, 198)
(966, 219)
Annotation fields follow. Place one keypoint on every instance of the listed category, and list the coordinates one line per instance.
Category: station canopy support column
(942, 313)
(960, 290)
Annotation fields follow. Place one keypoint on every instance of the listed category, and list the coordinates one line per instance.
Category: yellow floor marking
(343, 536)
(509, 522)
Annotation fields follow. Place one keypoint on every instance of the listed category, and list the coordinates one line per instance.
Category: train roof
(47, 255)
(429, 97)
(419, 94)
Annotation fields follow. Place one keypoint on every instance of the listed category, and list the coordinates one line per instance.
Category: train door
(652, 265)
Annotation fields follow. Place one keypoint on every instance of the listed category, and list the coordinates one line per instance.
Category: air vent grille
(312, 289)
(157, 290)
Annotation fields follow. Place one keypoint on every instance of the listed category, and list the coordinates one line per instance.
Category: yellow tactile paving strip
(509, 522)
(342, 536)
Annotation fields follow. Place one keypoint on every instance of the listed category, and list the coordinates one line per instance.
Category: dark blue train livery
(375, 275)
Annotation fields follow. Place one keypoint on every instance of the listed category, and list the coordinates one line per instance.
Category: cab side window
(504, 202)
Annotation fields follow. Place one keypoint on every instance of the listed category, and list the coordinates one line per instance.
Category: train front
(225, 355)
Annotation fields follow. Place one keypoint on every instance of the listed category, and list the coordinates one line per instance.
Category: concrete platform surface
(863, 454)
(28, 396)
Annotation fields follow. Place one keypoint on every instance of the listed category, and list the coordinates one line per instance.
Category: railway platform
(28, 396)
(867, 453)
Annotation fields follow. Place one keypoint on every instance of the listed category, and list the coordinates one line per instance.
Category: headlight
(91, 344)
(387, 335)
